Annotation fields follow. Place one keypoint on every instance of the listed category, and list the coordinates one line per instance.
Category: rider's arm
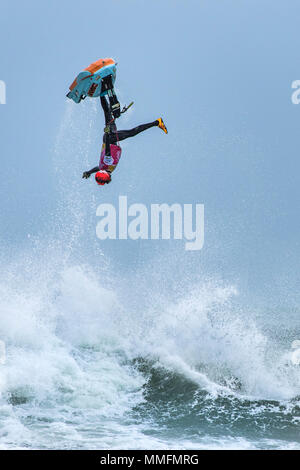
(87, 174)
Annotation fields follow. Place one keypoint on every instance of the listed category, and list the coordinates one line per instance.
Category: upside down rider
(111, 150)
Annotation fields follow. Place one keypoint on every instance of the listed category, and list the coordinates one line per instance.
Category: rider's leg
(106, 109)
(109, 121)
(122, 135)
(107, 85)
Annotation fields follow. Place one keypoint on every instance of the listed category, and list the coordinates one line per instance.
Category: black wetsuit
(113, 135)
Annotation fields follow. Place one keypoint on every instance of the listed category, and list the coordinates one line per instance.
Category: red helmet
(102, 177)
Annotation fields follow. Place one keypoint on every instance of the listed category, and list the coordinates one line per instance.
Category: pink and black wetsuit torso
(109, 162)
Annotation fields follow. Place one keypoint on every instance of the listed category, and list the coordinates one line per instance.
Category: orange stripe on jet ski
(73, 84)
(95, 66)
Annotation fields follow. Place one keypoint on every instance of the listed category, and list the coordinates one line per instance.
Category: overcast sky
(219, 72)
